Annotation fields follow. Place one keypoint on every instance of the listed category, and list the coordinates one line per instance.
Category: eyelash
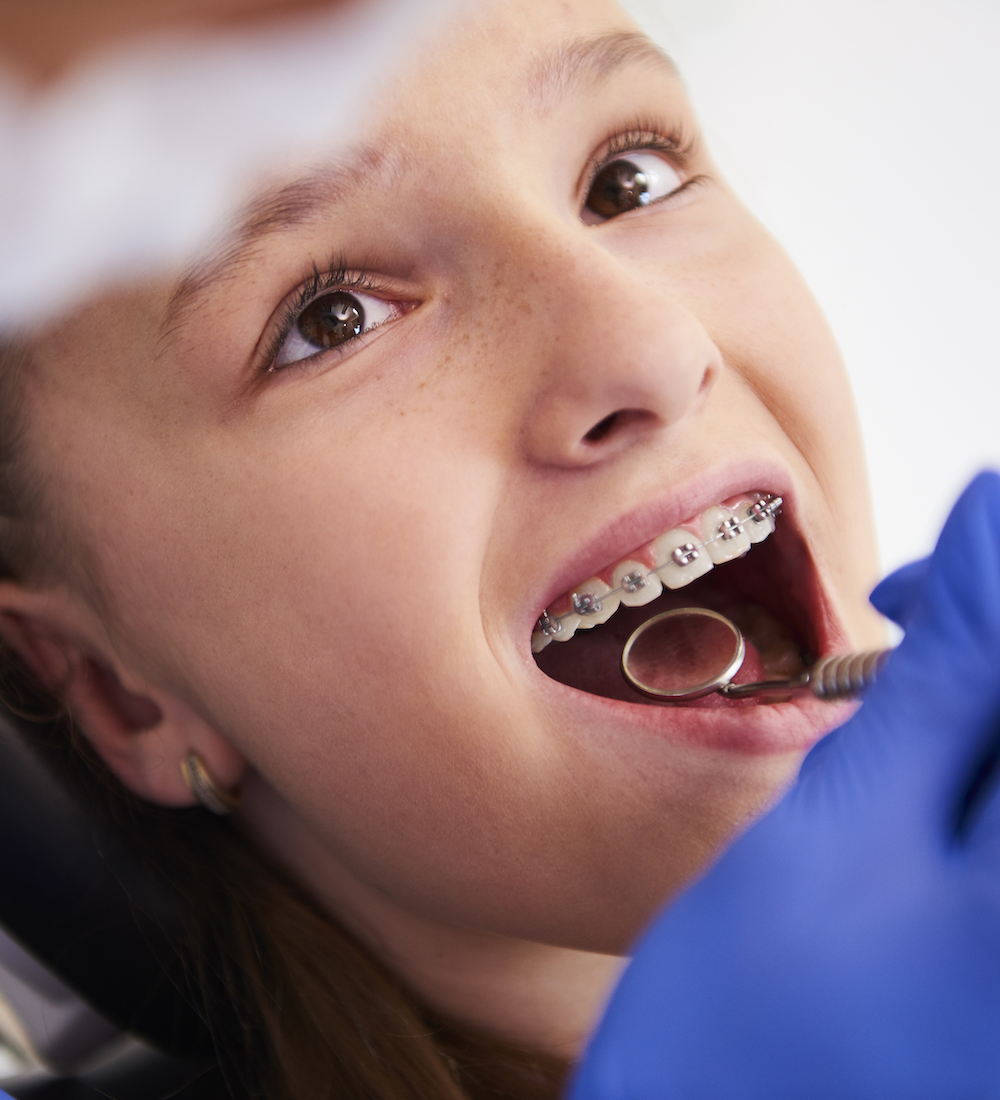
(336, 277)
(677, 145)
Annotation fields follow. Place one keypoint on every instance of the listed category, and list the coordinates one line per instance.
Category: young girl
(327, 528)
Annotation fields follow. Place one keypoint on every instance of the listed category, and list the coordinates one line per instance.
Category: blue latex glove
(847, 947)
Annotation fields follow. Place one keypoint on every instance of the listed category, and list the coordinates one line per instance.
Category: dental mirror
(683, 654)
(690, 652)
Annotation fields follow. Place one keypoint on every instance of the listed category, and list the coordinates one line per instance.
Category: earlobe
(201, 783)
(145, 737)
(141, 733)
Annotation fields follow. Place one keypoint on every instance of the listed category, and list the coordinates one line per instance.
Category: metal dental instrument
(690, 652)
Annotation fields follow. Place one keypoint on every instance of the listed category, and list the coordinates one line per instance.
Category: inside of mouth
(760, 593)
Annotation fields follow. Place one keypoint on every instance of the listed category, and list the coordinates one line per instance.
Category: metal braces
(766, 507)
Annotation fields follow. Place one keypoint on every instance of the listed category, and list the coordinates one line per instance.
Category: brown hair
(298, 1008)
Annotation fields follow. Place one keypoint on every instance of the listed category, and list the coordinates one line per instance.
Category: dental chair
(88, 989)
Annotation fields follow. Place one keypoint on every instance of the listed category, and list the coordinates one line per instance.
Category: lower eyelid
(316, 355)
(687, 185)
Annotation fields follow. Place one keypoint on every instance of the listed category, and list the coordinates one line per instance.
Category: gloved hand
(847, 947)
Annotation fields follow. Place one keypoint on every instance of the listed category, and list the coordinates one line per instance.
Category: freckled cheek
(307, 560)
(776, 340)
(352, 623)
(757, 309)
(735, 280)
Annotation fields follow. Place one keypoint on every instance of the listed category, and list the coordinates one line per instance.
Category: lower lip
(746, 728)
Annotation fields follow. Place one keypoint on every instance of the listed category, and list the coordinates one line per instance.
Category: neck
(539, 996)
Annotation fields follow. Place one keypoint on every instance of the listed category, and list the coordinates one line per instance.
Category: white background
(866, 135)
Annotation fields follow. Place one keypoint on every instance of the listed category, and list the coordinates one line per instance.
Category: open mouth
(734, 559)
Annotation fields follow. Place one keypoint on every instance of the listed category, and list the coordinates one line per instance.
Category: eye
(629, 182)
(331, 321)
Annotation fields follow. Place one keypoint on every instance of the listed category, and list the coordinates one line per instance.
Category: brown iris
(331, 320)
(618, 187)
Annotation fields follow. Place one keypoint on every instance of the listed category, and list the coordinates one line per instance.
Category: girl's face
(321, 492)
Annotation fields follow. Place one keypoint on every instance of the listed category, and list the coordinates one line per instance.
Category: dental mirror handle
(831, 678)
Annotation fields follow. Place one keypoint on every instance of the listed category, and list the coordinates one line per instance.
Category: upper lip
(632, 529)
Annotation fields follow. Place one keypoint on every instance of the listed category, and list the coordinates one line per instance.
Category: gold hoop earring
(199, 782)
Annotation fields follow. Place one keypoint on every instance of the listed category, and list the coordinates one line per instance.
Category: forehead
(529, 55)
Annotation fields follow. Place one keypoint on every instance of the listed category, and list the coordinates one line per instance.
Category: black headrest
(75, 898)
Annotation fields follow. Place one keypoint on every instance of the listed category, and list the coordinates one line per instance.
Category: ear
(140, 731)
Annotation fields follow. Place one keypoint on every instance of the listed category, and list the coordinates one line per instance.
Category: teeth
(592, 603)
(569, 624)
(725, 537)
(773, 640)
(553, 628)
(685, 560)
(683, 557)
(638, 585)
(545, 630)
(758, 522)
(567, 627)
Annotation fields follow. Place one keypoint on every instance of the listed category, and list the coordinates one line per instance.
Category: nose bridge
(607, 354)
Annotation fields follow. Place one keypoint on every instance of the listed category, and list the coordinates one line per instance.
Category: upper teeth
(727, 533)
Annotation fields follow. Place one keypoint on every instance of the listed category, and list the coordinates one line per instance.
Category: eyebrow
(277, 210)
(552, 75)
(583, 62)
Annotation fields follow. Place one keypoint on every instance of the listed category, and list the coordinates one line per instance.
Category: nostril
(618, 423)
(601, 429)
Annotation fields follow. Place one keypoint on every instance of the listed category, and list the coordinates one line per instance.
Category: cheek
(782, 356)
(774, 336)
(771, 330)
(280, 583)
(719, 264)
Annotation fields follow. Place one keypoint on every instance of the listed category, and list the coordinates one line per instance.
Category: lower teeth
(780, 653)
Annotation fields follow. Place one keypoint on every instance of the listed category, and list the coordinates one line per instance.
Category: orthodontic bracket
(768, 507)
(548, 626)
(686, 554)
(586, 603)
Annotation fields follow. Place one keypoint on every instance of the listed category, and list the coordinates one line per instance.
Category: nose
(621, 359)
